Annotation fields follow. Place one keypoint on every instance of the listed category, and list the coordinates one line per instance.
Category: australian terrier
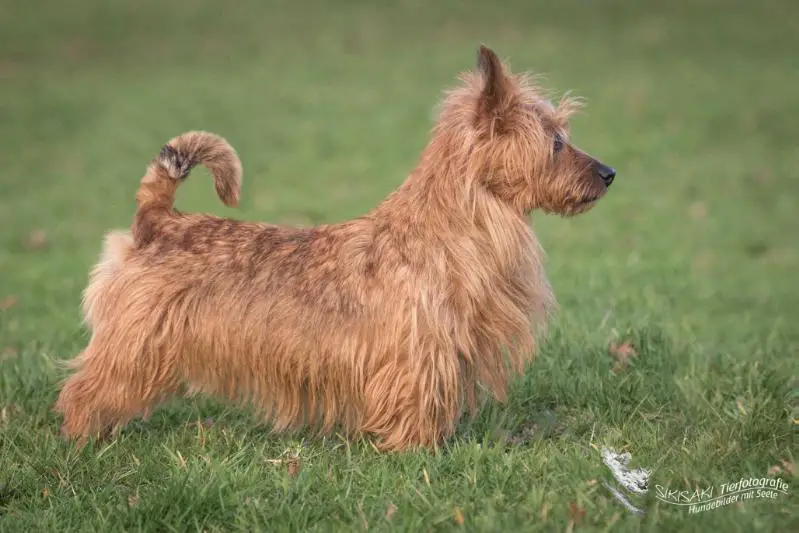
(388, 325)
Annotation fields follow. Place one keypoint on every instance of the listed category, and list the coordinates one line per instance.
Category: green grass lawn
(692, 257)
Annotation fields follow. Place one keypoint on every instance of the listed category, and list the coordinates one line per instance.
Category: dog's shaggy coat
(386, 325)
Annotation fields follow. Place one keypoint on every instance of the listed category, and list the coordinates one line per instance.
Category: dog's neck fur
(482, 266)
(443, 196)
(444, 200)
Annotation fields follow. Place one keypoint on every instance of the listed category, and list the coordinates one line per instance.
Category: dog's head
(518, 142)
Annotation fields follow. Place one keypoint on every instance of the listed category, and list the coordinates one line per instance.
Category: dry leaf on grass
(8, 302)
(36, 239)
(784, 466)
(390, 511)
(621, 353)
(292, 462)
(576, 514)
(459, 519)
(698, 211)
(293, 466)
(764, 177)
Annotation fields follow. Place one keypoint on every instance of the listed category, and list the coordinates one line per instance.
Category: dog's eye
(558, 146)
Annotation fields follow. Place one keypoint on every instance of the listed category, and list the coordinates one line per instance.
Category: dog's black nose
(606, 173)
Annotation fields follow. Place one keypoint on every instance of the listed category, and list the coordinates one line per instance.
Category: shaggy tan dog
(386, 325)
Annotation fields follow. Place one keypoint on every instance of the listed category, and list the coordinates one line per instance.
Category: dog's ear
(493, 95)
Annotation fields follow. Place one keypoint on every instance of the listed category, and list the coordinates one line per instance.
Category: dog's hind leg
(111, 386)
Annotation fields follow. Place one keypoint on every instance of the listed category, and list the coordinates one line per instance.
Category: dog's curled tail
(156, 194)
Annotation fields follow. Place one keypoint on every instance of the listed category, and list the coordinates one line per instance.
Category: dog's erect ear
(495, 82)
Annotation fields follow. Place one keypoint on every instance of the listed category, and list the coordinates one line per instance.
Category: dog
(388, 326)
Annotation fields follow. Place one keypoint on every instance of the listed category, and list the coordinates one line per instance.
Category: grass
(692, 257)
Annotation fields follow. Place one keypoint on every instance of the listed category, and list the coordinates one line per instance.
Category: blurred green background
(329, 105)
